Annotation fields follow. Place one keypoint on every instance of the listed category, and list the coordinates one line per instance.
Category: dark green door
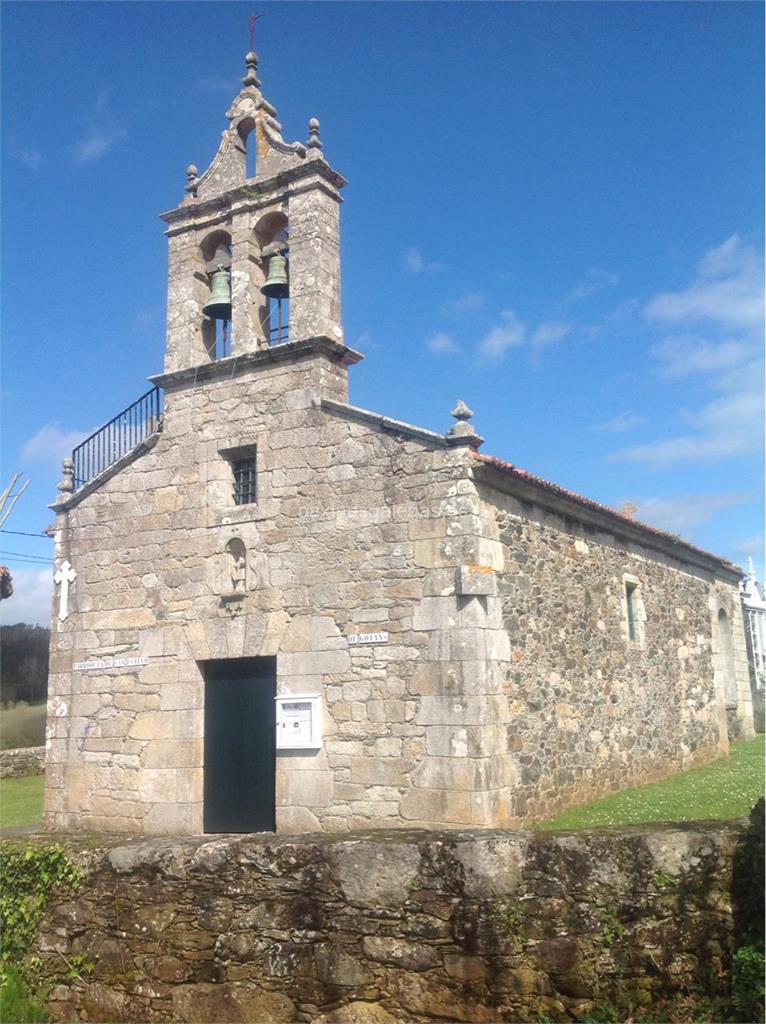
(240, 762)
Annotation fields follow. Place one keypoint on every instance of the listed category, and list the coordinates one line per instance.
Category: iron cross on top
(252, 20)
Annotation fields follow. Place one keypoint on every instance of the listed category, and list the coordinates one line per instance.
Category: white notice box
(299, 722)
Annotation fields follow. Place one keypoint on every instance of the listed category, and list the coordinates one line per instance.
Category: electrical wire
(29, 558)
(23, 533)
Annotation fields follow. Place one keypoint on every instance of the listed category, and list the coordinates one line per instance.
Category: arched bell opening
(216, 309)
(247, 134)
(273, 234)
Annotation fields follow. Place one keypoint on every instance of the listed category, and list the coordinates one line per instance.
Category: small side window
(630, 600)
(634, 615)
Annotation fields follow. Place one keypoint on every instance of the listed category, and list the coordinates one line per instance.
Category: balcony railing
(117, 437)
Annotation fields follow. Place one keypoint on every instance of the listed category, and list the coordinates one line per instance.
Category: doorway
(240, 755)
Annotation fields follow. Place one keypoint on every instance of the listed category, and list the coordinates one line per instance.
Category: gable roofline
(499, 472)
(392, 426)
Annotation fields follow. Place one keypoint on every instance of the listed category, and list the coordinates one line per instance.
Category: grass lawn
(726, 788)
(21, 801)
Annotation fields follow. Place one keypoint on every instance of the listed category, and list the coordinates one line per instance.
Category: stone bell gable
(291, 204)
(276, 610)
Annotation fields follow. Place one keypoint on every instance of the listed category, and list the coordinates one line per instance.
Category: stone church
(276, 610)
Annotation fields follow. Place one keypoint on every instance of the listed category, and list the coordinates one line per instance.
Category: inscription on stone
(99, 663)
(367, 638)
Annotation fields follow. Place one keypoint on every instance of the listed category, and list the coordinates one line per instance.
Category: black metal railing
(117, 437)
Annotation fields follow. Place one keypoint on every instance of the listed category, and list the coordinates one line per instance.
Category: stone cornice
(353, 412)
(258, 193)
(233, 366)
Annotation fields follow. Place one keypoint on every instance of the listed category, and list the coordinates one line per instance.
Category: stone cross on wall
(65, 575)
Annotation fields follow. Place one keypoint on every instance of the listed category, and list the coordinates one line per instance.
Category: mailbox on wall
(299, 722)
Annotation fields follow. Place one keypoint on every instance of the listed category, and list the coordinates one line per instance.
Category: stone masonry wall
(409, 926)
(356, 529)
(591, 711)
(22, 761)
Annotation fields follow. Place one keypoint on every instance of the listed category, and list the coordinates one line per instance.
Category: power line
(40, 563)
(29, 558)
(23, 533)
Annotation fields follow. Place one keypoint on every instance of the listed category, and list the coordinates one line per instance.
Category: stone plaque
(99, 663)
(367, 638)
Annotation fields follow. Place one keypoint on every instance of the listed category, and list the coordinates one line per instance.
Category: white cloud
(751, 547)
(52, 444)
(31, 598)
(728, 290)
(509, 334)
(682, 512)
(624, 421)
(441, 344)
(469, 302)
(31, 158)
(365, 342)
(725, 296)
(101, 133)
(594, 281)
(550, 333)
(683, 355)
(414, 262)
(739, 440)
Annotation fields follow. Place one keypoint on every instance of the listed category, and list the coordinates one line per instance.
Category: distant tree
(24, 661)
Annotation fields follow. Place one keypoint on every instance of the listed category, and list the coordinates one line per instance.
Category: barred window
(244, 480)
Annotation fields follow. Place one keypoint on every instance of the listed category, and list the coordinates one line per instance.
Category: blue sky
(555, 212)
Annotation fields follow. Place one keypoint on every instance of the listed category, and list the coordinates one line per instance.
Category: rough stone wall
(22, 761)
(355, 529)
(591, 711)
(452, 926)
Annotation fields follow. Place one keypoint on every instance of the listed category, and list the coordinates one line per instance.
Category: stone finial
(67, 481)
(192, 179)
(314, 140)
(629, 509)
(461, 411)
(462, 432)
(251, 75)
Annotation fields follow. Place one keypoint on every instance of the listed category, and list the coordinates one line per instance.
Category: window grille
(244, 480)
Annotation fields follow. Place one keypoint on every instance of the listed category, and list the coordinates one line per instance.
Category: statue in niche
(237, 565)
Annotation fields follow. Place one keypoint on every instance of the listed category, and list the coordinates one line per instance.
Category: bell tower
(254, 247)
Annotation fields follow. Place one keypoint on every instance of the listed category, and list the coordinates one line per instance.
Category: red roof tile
(522, 474)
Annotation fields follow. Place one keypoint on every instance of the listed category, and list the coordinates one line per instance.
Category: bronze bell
(218, 306)
(276, 285)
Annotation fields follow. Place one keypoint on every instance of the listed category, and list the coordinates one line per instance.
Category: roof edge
(354, 412)
(618, 522)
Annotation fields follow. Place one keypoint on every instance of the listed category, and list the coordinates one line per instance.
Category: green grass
(21, 801)
(22, 726)
(726, 788)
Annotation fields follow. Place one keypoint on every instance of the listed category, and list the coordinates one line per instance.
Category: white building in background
(754, 609)
(754, 615)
